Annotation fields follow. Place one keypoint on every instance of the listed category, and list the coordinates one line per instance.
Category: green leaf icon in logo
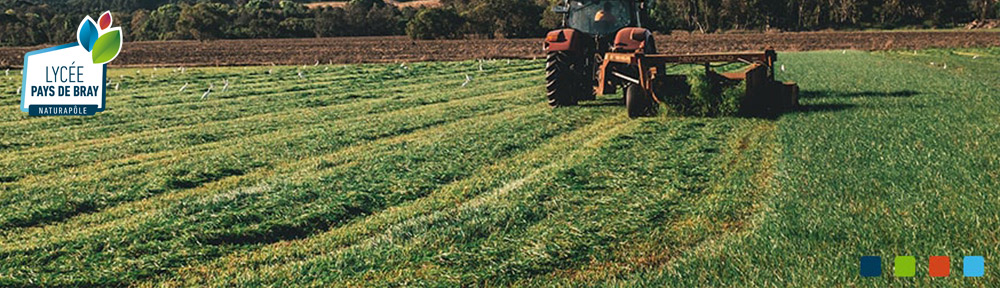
(107, 46)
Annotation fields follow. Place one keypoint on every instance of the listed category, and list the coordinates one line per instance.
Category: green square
(906, 266)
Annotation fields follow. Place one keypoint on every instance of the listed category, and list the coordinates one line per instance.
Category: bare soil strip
(309, 51)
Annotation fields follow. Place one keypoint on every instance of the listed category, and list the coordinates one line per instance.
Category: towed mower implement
(602, 46)
(646, 82)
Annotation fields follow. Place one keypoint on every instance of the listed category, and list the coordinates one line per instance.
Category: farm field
(458, 173)
(395, 49)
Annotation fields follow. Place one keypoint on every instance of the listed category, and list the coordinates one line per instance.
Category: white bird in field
(207, 91)
(6, 72)
(224, 87)
(782, 67)
(182, 70)
(116, 86)
(301, 76)
(480, 66)
(317, 63)
(270, 71)
(932, 63)
(945, 66)
(843, 51)
(975, 56)
(467, 80)
(182, 87)
(19, 89)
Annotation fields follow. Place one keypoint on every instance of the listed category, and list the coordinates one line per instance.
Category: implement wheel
(638, 102)
(561, 84)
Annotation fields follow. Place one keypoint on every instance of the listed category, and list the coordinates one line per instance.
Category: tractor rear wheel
(561, 84)
(638, 102)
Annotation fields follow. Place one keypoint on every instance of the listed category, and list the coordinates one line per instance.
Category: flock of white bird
(301, 75)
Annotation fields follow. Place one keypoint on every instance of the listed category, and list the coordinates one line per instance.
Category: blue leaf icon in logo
(87, 34)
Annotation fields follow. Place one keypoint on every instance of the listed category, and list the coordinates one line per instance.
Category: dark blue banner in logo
(62, 110)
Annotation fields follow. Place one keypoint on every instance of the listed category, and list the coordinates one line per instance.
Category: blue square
(973, 266)
(871, 266)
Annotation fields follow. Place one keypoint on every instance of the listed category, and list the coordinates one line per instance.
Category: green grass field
(400, 175)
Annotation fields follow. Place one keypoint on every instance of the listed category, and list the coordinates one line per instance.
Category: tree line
(805, 15)
(25, 22)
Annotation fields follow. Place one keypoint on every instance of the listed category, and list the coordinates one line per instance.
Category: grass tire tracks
(493, 181)
(117, 214)
(33, 239)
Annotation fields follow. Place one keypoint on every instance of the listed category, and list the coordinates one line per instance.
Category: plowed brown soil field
(401, 49)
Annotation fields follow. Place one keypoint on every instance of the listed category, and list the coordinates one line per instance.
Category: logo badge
(70, 79)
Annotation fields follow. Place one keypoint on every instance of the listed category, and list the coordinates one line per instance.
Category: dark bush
(436, 23)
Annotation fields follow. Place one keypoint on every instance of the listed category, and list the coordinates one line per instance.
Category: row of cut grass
(138, 177)
(339, 188)
(120, 147)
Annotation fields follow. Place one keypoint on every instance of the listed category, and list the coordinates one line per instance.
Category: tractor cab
(600, 17)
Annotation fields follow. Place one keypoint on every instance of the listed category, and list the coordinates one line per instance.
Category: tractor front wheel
(638, 102)
(561, 84)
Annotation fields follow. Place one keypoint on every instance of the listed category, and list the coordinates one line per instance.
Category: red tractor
(603, 46)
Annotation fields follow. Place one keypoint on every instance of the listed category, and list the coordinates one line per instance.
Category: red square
(940, 266)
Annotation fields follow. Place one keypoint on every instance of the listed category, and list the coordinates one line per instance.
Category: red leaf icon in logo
(105, 20)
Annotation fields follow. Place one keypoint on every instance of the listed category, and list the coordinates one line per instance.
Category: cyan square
(973, 266)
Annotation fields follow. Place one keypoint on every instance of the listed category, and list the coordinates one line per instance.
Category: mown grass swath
(399, 175)
(145, 154)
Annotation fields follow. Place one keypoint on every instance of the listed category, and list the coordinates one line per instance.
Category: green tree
(139, 27)
(255, 19)
(366, 5)
(162, 22)
(61, 28)
(372, 17)
(202, 21)
(506, 18)
(329, 22)
(297, 27)
(436, 23)
(550, 20)
(662, 17)
(984, 9)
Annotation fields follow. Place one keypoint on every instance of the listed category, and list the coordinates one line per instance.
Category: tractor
(602, 46)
